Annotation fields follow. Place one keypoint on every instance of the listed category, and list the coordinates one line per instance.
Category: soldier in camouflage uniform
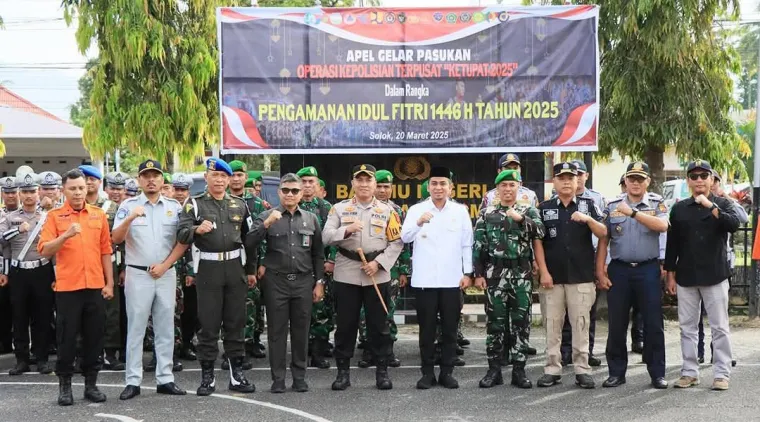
(399, 274)
(181, 184)
(503, 261)
(322, 313)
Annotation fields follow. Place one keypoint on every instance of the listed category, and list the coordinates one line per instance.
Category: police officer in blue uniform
(10, 191)
(634, 223)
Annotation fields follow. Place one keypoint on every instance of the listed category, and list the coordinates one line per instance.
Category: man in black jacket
(695, 259)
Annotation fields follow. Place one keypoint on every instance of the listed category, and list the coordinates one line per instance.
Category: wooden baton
(374, 283)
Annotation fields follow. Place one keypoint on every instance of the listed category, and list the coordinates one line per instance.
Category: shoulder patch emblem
(188, 207)
(662, 207)
(122, 213)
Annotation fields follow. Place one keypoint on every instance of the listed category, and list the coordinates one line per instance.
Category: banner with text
(329, 80)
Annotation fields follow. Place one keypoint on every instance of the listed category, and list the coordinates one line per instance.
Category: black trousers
(189, 316)
(431, 303)
(6, 319)
(349, 299)
(32, 296)
(288, 303)
(79, 312)
(221, 288)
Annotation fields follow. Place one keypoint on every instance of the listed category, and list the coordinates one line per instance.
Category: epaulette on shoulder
(655, 196)
(615, 200)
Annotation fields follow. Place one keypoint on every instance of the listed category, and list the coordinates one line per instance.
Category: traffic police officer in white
(148, 223)
(50, 190)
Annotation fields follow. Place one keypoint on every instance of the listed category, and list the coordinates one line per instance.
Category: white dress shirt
(442, 250)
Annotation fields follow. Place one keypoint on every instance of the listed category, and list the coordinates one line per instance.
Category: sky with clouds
(40, 61)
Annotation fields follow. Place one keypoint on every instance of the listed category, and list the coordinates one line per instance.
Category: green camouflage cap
(168, 178)
(237, 165)
(384, 176)
(255, 175)
(310, 171)
(508, 175)
(321, 183)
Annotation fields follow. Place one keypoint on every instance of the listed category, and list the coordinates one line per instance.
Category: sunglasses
(287, 191)
(696, 176)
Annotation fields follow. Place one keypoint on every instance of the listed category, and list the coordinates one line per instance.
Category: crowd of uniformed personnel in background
(518, 244)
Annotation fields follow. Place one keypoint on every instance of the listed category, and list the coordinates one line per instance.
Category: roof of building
(15, 123)
(10, 99)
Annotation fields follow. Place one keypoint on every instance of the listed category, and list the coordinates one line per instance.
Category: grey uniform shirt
(13, 241)
(631, 241)
(294, 242)
(380, 233)
(150, 238)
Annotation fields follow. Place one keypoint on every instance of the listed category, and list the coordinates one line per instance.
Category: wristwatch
(634, 212)
(714, 207)
(322, 281)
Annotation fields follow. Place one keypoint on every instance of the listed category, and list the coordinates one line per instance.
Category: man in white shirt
(441, 265)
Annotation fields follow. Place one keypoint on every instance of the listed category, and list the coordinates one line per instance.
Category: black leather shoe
(594, 361)
(171, 389)
(637, 347)
(319, 362)
(613, 382)
(151, 366)
(300, 386)
(129, 392)
(530, 351)
(187, 354)
(460, 350)
(208, 381)
(278, 387)
(585, 381)
(459, 362)
(659, 383)
(238, 381)
(447, 380)
(462, 341)
(91, 391)
(177, 366)
(247, 364)
(547, 380)
(427, 382)
(44, 368)
(367, 359)
(21, 367)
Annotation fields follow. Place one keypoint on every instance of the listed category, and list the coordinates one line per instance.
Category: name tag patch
(583, 207)
(551, 215)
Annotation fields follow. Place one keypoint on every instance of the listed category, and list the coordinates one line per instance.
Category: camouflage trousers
(393, 293)
(508, 304)
(254, 315)
(323, 315)
(178, 309)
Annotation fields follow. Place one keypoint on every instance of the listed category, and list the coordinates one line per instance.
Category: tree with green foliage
(154, 87)
(666, 81)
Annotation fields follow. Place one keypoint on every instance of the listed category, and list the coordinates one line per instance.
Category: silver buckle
(220, 256)
(633, 264)
(291, 277)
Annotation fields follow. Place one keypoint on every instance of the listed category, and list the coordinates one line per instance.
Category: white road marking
(551, 397)
(286, 409)
(121, 418)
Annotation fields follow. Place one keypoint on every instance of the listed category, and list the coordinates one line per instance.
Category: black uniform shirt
(696, 246)
(294, 242)
(568, 246)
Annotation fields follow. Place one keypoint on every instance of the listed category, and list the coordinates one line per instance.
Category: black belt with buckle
(137, 267)
(288, 276)
(635, 264)
(369, 256)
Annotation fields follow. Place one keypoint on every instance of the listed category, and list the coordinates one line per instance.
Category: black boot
(461, 340)
(318, 355)
(519, 379)
(493, 376)
(208, 382)
(258, 350)
(382, 380)
(238, 381)
(428, 380)
(65, 398)
(177, 365)
(22, 366)
(187, 354)
(44, 368)
(91, 391)
(393, 361)
(247, 364)
(367, 359)
(343, 380)
(111, 362)
(446, 379)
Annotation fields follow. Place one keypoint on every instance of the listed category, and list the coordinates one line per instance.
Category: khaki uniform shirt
(381, 232)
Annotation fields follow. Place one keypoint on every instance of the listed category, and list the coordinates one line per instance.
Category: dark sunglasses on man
(700, 175)
(287, 191)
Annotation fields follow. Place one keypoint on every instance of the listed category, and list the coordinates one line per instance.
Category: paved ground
(32, 397)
